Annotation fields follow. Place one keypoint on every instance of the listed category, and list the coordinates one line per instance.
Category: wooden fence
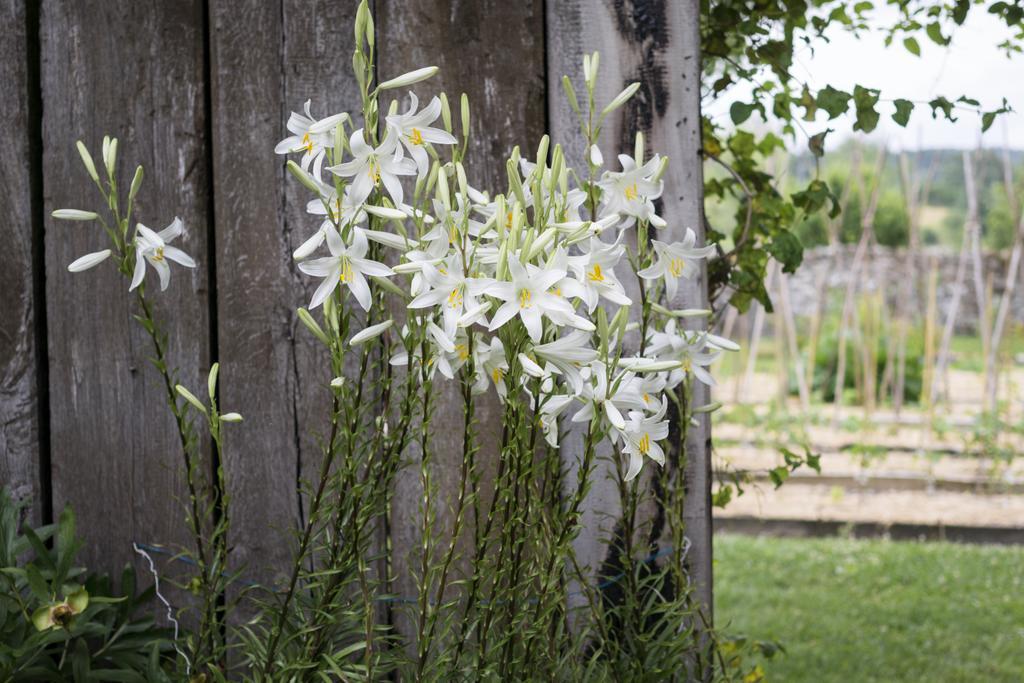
(198, 92)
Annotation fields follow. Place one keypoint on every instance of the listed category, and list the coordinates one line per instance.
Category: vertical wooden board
(317, 66)
(658, 44)
(255, 288)
(492, 50)
(19, 371)
(133, 70)
(273, 371)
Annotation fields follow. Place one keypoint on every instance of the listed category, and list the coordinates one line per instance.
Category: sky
(971, 65)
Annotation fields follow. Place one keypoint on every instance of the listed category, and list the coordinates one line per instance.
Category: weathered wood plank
(492, 50)
(20, 450)
(254, 284)
(317, 66)
(657, 44)
(266, 60)
(134, 70)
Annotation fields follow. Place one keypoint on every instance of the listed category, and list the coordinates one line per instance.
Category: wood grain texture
(266, 60)
(133, 70)
(657, 43)
(19, 399)
(494, 51)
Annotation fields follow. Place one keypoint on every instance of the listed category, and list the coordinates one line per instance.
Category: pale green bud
(709, 408)
(90, 167)
(211, 381)
(442, 189)
(303, 177)
(313, 326)
(74, 215)
(133, 190)
(409, 78)
(110, 157)
(542, 153)
(230, 417)
(464, 101)
(191, 398)
(638, 148)
(621, 98)
(389, 286)
(370, 332)
(446, 112)
(570, 94)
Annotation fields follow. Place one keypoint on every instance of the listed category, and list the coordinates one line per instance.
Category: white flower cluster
(514, 281)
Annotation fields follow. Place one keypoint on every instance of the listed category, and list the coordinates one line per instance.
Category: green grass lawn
(856, 610)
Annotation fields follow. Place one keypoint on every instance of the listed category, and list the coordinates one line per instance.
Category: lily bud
(313, 326)
(385, 212)
(230, 417)
(596, 158)
(446, 112)
(74, 215)
(570, 94)
(90, 167)
(88, 261)
(370, 333)
(191, 398)
(211, 380)
(136, 183)
(303, 177)
(409, 78)
(110, 156)
(709, 408)
(621, 98)
(465, 115)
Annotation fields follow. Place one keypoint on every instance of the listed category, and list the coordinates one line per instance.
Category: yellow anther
(496, 375)
(596, 275)
(346, 272)
(631, 192)
(307, 142)
(675, 266)
(455, 298)
(525, 298)
(462, 350)
(508, 220)
(416, 138)
(644, 445)
(159, 255)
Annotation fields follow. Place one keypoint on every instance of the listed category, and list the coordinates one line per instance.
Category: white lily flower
(371, 167)
(345, 265)
(632, 191)
(595, 270)
(568, 354)
(640, 436)
(450, 289)
(551, 408)
(491, 364)
(88, 261)
(528, 297)
(676, 260)
(599, 393)
(311, 136)
(687, 348)
(152, 247)
(415, 131)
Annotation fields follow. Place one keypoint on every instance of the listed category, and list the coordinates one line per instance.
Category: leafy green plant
(58, 623)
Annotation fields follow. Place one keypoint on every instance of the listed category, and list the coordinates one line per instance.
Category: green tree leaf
(740, 112)
(903, 110)
(833, 101)
(912, 46)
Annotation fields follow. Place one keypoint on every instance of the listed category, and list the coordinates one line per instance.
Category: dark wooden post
(657, 44)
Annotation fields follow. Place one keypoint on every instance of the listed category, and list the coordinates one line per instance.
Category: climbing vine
(748, 50)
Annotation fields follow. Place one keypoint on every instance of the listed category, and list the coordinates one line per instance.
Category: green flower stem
(307, 533)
